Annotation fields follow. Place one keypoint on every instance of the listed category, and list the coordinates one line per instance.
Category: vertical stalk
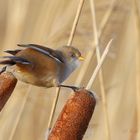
(101, 80)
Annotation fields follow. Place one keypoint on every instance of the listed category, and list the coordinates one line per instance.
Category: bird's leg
(3, 69)
(74, 88)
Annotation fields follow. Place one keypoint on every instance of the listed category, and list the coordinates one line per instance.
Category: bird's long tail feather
(13, 52)
(15, 60)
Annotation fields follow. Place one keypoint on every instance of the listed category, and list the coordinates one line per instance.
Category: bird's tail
(12, 60)
(7, 62)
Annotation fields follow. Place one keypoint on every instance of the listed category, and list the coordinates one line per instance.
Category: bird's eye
(72, 55)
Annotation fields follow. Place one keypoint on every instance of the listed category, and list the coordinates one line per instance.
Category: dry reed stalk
(75, 116)
(101, 80)
(90, 53)
(72, 33)
(137, 70)
(53, 110)
(94, 75)
(7, 85)
(78, 13)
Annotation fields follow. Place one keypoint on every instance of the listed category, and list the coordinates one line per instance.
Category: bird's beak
(81, 58)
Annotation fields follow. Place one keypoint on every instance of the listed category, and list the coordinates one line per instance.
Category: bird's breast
(67, 70)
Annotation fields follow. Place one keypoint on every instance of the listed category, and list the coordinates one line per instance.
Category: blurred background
(117, 113)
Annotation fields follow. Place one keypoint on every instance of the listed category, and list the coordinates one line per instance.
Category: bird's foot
(74, 88)
(3, 69)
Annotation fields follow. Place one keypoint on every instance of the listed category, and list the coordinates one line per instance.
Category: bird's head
(71, 54)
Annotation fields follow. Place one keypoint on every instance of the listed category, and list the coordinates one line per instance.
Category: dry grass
(26, 115)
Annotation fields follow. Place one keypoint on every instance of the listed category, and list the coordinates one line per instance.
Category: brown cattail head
(7, 85)
(75, 116)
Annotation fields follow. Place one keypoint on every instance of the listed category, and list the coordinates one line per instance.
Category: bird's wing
(44, 50)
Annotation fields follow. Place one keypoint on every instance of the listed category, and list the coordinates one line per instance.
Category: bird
(42, 66)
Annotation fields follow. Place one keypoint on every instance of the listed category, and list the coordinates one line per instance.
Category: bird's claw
(74, 88)
(2, 70)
